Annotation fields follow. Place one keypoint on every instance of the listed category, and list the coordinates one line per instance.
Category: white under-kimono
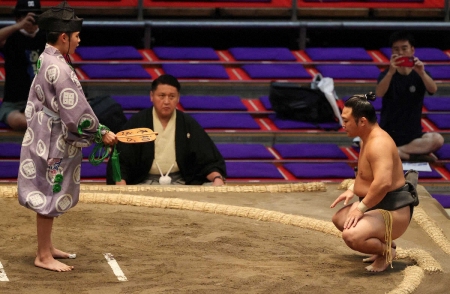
(51, 148)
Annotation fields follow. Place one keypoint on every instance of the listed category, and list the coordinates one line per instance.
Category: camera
(36, 18)
(406, 61)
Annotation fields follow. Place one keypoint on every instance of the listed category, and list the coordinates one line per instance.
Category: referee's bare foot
(52, 264)
(56, 253)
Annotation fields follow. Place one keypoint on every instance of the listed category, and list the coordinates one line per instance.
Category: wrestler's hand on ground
(347, 195)
(354, 215)
(109, 138)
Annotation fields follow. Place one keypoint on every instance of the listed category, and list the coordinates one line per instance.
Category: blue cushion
(10, 150)
(443, 199)
(244, 151)
(212, 103)
(133, 102)
(252, 170)
(195, 71)
(442, 121)
(185, 53)
(439, 72)
(338, 54)
(225, 120)
(276, 71)
(115, 71)
(306, 150)
(424, 54)
(265, 102)
(349, 71)
(109, 53)
(9, 169)
(437, 103)
(285, 124)
(249, 53)
(320, 170)
(443, 153)
(90, 171)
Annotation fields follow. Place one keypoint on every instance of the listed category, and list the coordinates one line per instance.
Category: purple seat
(265, 102)
(349, 71)
(283, 124)
(442, 121)
(276, 71)
(433, 174)
(109, 53)
(195, 71)
(9, 169)
(185, 53)
(424, 54)
(320, 170)
(251, 170)
(115, 71)
(437, 103)
(86, 151)
(244, 151)
(10, 150)
(439, 72)
(306, 150)
(443, 153)
(133, 102)
(90, 171)
(212, 103)
(376, 104)
(225, 120)
(3, 125)
(272, 54)
(338, 54)
(444, 200)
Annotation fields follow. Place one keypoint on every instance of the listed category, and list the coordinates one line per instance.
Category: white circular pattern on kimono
(50, 123)
(28, 137)
(39, 93)
(82, 143)
(72, 151)
(61, 144)
(65, 134)
(40, 117)
(29, 110)
(28, 169)
(77, 174)
(63, 203)
(74, 78)
(41, 148)
(91, 120)
(52, 74)
(54, 104)
(50, 175)
(36, 199)
(68, 98)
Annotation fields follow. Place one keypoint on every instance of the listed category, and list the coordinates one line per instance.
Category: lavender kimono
(51, 145)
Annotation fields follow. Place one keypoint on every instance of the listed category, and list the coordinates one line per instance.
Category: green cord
(101, 151)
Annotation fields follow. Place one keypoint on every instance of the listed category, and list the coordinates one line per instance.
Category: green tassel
(116, 165)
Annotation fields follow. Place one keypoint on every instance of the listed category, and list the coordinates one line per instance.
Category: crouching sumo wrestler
(386, 197)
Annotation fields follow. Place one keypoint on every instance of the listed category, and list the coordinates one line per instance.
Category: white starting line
(3, 277)
(109, 257)
(115, 267)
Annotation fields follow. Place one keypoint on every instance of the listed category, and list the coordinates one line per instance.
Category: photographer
(403, 87)
(21, 44)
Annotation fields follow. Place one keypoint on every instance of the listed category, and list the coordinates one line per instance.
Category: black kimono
(196, 154)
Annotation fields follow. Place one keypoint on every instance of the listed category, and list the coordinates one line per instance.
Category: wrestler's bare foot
(380, 264)
(52, 264)
(373, 257)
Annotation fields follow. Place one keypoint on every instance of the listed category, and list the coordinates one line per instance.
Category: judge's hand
(347, 195)
(109, 138)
